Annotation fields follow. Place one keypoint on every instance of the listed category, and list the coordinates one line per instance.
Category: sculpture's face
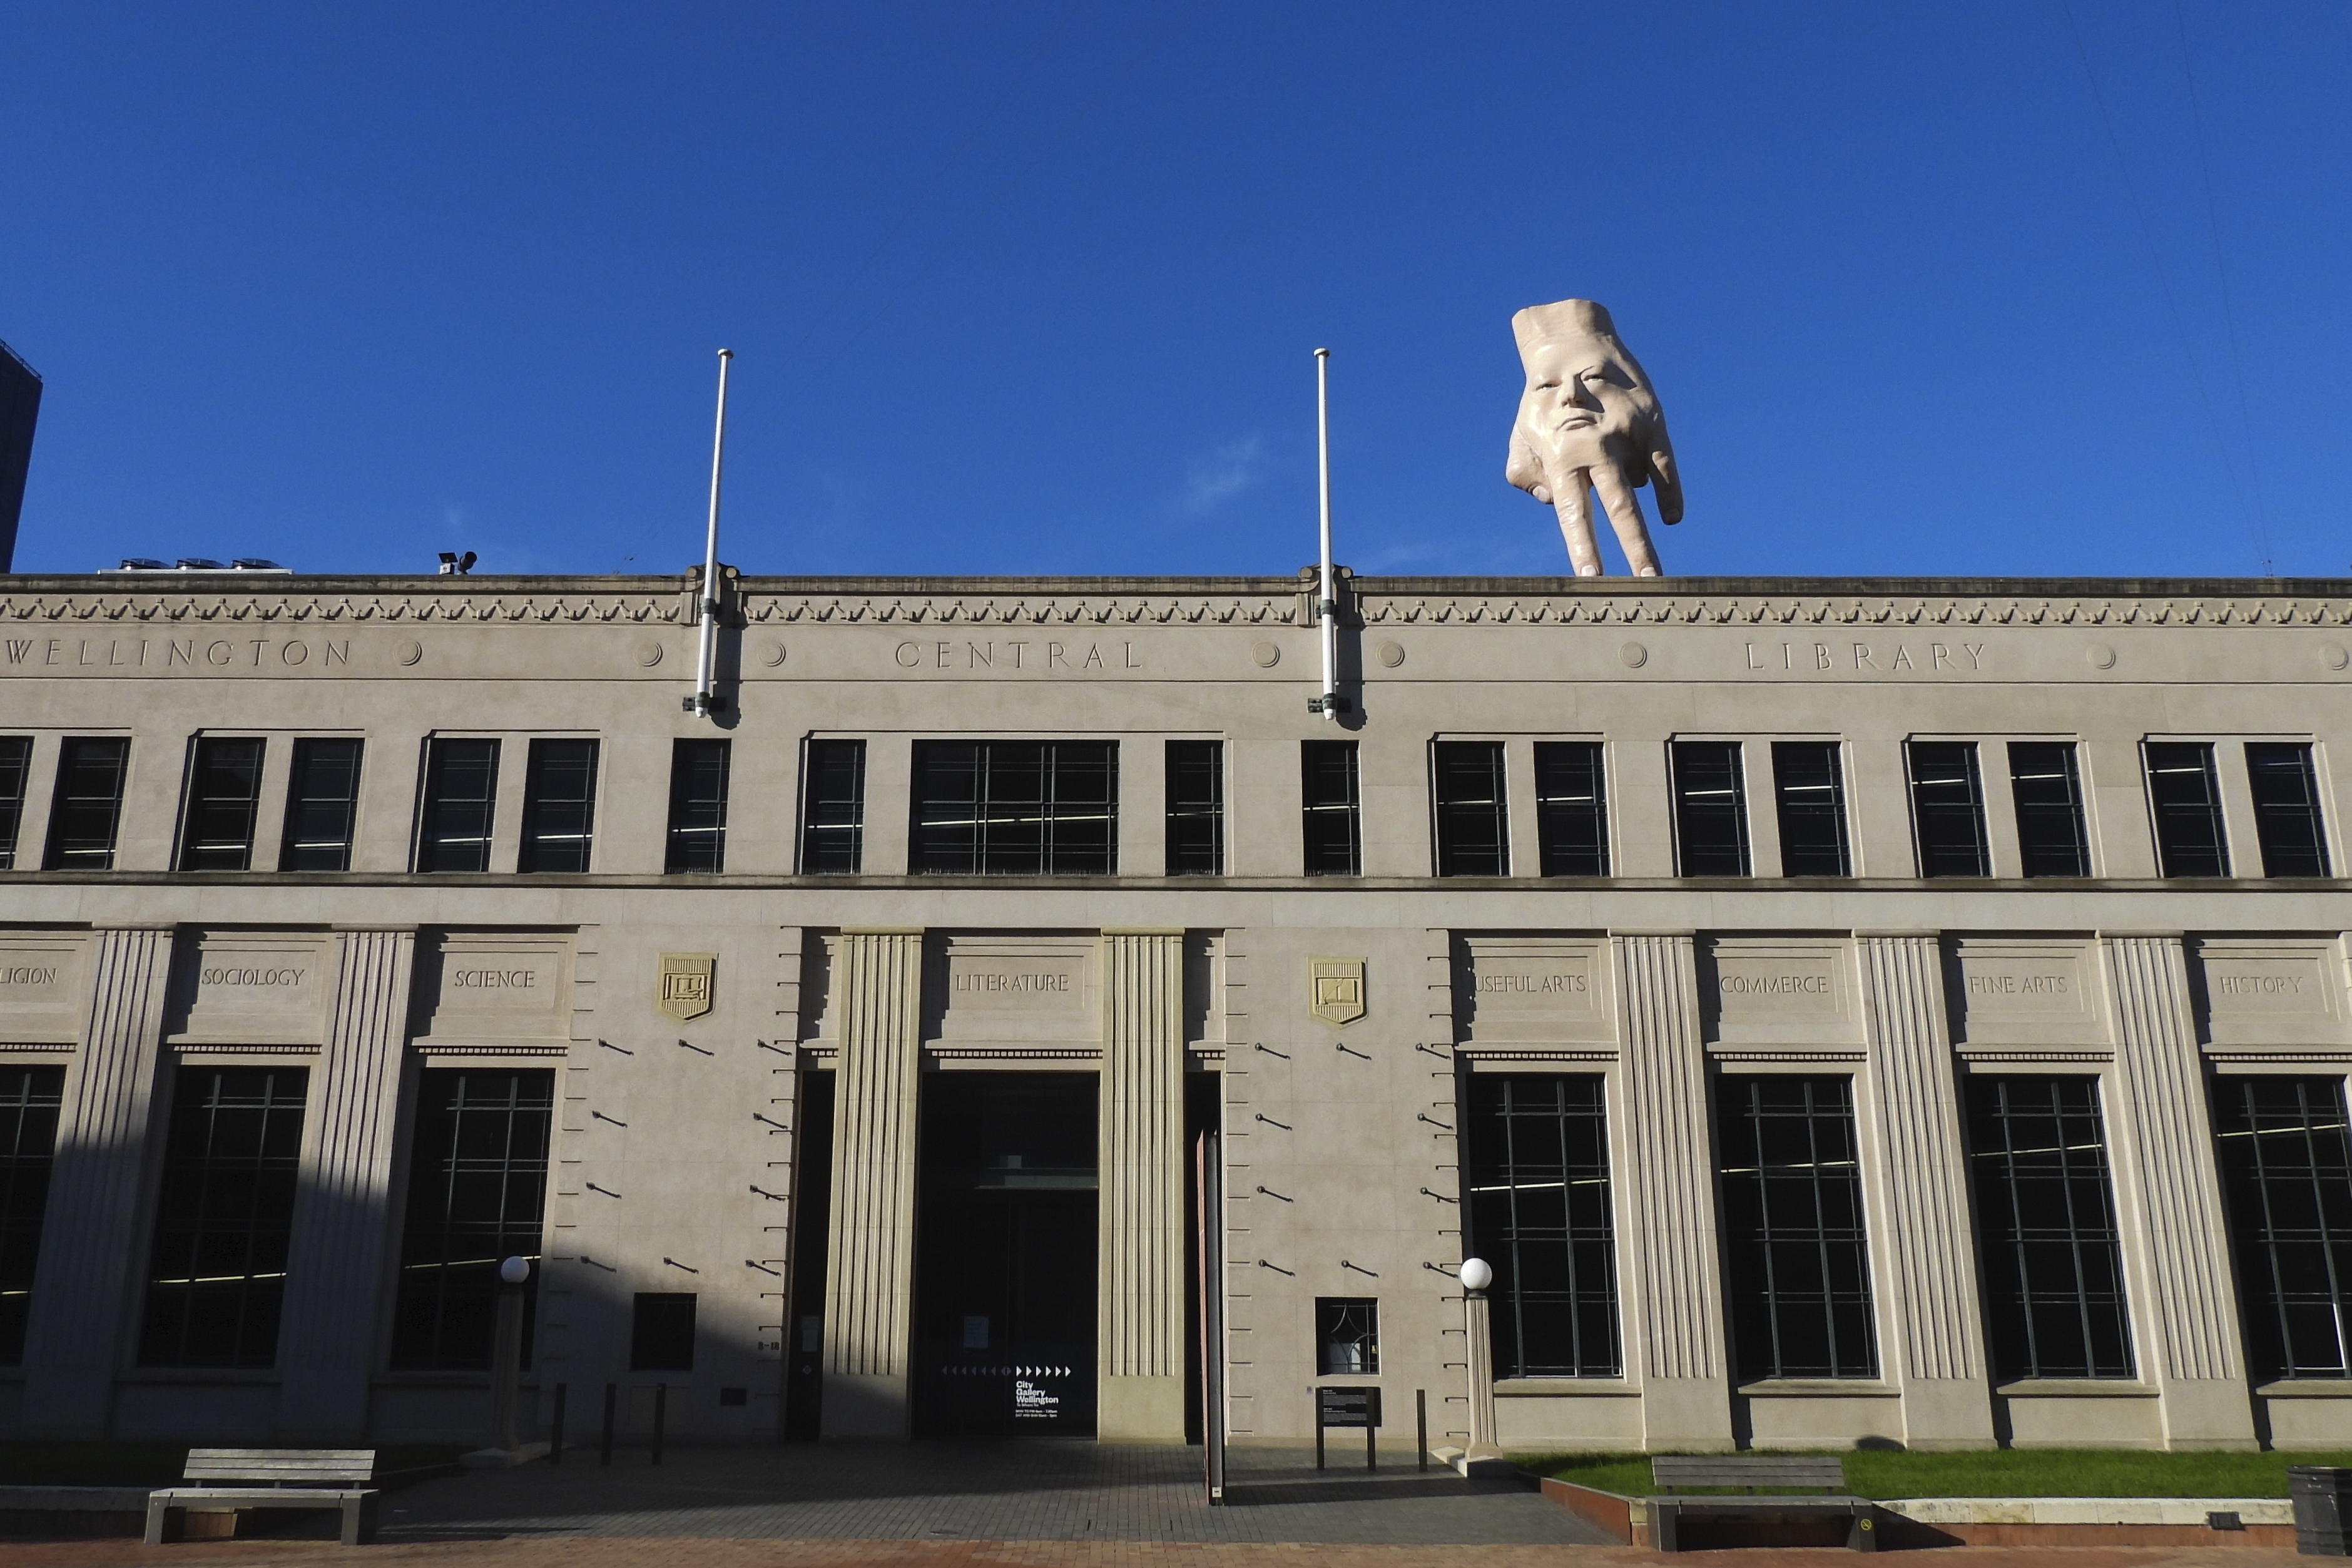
(1583, 399)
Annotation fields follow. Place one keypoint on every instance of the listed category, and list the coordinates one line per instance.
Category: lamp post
(1482, 1456)
(506, 1355)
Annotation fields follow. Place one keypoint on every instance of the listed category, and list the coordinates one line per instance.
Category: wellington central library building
(1846, 1010)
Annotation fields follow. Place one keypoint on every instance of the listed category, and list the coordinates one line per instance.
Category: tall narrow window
(1571, 809)
(217, 1276)
(1333, 808)
(1538, 1162)
(16, 774)
(1347, 1336)
(661, 1332)
(223, 797)
(2046, 1229)
(323, 805)
(87, 808)
(1797, 1259)
(1809, 790)
(697, 808)
(28, 1143)
(559, 807)
(461, 793)
(1948, 808)
(1196, 808)
(2052, 839)
(1474, 834)
(1016, 808)
(2287, 808)
(477, 1193)
(2286, 1172)
(832, 832)
(1710, 810)
(2186, 797)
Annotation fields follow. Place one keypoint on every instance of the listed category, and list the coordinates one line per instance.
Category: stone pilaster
(1141, 1320)
(86, 1295)
(2176, 1252)
(1920, 1231)
(341, 1242)
(869, 1293)
(1666, 1217)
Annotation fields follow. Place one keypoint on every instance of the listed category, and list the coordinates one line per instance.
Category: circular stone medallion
(2101, 656)
(1633, 654)
(1266, 654)
(1391, 653)
(410, 652)
(648, 654)
(775, 655)
(2334, 656)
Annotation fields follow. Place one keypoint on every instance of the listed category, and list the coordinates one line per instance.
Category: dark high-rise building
(20, 405)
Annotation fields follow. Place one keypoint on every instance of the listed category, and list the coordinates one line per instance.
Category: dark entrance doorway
(1004, 1256)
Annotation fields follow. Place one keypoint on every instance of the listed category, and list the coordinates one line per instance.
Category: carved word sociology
(250, 976)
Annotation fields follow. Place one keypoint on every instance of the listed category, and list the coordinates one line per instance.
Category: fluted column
(86, 1293)
(869, 1294)
(1141, 1314)
(2176, 1250)
(1667, 1220)
(1919, 1229)
(341, 1242)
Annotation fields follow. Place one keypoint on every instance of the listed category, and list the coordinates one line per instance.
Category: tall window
(477, 1193)
(1016, 807)
(697, 808)
(1196, 808)
(217, 1274)
(223, 797)
(1474, 833)
(2286, 1170)
(559, 807)
(1710, 810)
(661, 1332)
(833, 831)
(455, 819)
(2046, 1228)
(1538, 1164)
(1809, 789)
(88, 806)
(2186, 797)
(1347, 1336)
(1571, 809)
(1948, 808)
(323, 805)
(1333, 808)
(2287, 808)
(16, 772)
(2052, 839)
(28, 1141)
(1797, 1259)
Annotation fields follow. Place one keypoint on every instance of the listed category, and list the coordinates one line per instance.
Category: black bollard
(604, 1449)
(555, 1427)
(1421, 1426)
(661, 1414)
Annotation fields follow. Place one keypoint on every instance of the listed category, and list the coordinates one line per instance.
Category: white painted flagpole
(706, 653)
(1327, 604)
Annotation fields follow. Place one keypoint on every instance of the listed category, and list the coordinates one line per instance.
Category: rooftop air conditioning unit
(199, 563)
(142, 564)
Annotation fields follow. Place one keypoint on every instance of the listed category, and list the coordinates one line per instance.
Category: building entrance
(1005, 1253)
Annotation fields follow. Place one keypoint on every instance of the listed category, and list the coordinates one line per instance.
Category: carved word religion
(1589, 421)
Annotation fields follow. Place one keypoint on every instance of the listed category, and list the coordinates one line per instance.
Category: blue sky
(2018, 288)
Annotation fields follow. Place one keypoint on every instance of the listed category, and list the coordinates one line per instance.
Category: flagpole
(707, 651)
(1327, 600)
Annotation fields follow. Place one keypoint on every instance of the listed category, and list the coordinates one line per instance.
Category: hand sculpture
(1589, 421)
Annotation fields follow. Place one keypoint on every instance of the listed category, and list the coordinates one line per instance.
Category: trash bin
(2322, 1501)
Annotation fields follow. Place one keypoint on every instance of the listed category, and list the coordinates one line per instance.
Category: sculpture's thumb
(1669, 482)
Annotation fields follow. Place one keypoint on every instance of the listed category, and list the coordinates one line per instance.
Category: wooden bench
(1753, 1470)
(274, 1477)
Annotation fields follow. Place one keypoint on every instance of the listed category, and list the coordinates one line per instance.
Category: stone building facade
(1840, 1010)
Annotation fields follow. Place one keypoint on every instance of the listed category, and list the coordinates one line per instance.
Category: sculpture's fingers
(1523, 468)
(1572, 504)
(1668, 480)
(1625, 516)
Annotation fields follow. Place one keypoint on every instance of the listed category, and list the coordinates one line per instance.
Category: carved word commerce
(1776, 985)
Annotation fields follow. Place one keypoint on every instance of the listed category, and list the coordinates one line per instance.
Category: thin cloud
(1223, 474)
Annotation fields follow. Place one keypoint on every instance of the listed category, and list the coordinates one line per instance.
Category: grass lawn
(35, 1463)
(2004, 1472)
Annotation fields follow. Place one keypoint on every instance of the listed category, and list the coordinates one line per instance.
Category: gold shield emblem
(684, 990)
(1335, 989)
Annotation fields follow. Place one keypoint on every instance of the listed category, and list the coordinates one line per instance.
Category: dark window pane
(2287, 808)
(1347, 1336)
(2186, 798)
(2287, 1175)
(461, 791)
(476, 1192)
(87, 808)
(1795, 1251)
(1710, 810)
(28, 1136)
(661, 1332)
(833, 835)
(224, 794)
(559, 807)
(2052, 840)
(1474, 834)
(216, 1275)
(1809, 789)
(1196, 808)
(1333, 810)
(16, 774)
(1948, 808)
(1536, 1170)
(323, 801)
(2046, 1228)
(1571, 809)
(697, 806)
(1016, 808)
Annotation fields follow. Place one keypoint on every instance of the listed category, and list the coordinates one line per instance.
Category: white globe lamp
(515, 1271)
(1476, 1273)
